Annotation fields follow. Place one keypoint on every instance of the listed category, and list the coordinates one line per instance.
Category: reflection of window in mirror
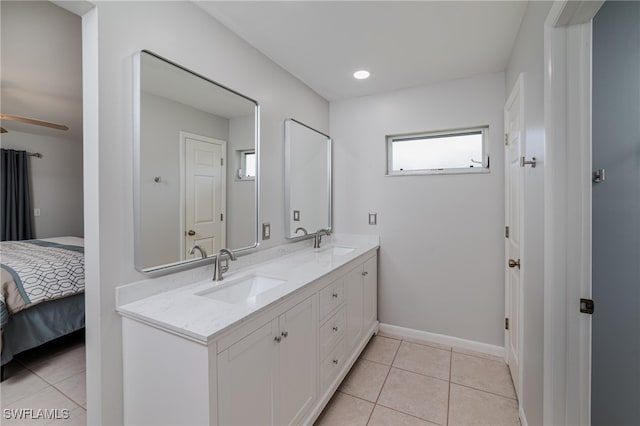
(247, 163)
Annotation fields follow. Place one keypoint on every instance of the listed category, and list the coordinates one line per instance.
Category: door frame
(223, 182)
(567, 211)
(517, 90)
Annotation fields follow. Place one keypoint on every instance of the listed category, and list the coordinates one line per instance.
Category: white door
(297, 380)
(204, 194)
(370, 292)
(514, 149)
(355, 306)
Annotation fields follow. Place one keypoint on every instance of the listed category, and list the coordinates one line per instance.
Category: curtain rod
(34, 154)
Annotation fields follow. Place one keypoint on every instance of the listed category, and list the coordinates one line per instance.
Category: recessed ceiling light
(361, 75)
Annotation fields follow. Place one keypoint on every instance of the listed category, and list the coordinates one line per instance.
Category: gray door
(615, 372)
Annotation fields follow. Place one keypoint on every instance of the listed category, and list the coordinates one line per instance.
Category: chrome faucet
(301, 229)
(218, 267)
(318, 237)
(202, 251)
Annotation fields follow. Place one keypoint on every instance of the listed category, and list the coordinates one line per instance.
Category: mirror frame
(137, 145)
(287, 180)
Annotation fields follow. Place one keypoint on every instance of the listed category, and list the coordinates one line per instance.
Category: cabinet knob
(335, 361)
(335, 328)
(365, 273)
(335, 295)
(285, 334)
(277, 339)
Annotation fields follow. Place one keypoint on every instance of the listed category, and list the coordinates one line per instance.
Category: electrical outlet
(373, 218)
(36, 212)
(266, 231)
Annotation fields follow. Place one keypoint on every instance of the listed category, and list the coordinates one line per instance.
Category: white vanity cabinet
(269, 376)
(279, 366)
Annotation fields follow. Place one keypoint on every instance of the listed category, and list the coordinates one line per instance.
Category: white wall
(527, 57)
(441, 236)
(181, 32)
(56, 182)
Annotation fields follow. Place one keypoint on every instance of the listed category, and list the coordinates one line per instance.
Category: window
(247, 161)
(454, 151)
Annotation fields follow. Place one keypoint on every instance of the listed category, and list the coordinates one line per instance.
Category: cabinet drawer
(331, 297)
(332, 365)
(331, 331)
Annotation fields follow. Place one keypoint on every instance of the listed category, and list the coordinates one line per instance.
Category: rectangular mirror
(195, 165)
(307, 179)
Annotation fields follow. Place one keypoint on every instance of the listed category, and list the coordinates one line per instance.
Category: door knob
(514, 263)
(191, 233)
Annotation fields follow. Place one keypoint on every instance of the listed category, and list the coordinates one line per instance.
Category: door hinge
(506, 138)
(586, 306)
(506, 323)
(221, 217)
(506, 232)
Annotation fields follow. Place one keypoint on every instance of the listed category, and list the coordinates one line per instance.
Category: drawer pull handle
(365, 273)
(335, 361)
(335, 328)
(277, 339)
(285, 334)
(335, 295)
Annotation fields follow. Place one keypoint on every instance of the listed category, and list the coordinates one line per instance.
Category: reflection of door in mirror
(203, 195)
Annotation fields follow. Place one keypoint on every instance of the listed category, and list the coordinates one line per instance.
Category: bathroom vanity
(267, 345)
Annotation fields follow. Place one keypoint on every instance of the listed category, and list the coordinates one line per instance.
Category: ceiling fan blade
(33, 121)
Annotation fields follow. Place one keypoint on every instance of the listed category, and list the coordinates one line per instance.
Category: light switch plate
(296, 215)
(266, 231)
(373, 218)
(36, 212)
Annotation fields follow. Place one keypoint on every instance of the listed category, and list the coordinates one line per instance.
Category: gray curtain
(15, 213)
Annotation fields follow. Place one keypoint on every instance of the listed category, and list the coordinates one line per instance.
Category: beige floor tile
(19, 384)
(423, 359)
(417, 395)
(345, 410)
(478, 354)
(365, 380)
(61, 366)
(381, 349)
(383, 416)
(483, 374)
(77, 417)
(470, 407)
(25, 411)
(74, 387)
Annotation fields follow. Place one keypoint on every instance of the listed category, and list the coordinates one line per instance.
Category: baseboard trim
(443, 339)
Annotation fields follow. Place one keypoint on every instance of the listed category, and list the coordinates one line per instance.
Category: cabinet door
(354, 306)
(370, 292)
(246, 378)
(298, 362)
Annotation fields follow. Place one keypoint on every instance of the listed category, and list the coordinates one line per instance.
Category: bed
(41, 292)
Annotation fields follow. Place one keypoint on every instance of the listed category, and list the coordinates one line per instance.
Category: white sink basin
(337, 251)
(243, 290)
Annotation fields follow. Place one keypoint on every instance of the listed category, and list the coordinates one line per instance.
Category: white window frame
(482, 168)
(241, 157)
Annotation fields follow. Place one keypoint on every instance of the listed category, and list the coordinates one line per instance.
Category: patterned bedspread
(34, 271)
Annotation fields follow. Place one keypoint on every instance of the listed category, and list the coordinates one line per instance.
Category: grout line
(407, 414)
(485, 391)
(384, 382)
(422, 374)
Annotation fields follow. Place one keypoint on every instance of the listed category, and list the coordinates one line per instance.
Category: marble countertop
(182, 307)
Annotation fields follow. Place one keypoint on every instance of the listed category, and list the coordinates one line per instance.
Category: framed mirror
(307, 179)
(196, 151)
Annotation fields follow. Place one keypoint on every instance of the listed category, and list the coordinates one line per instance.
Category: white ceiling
(41, 55)
(403, 44)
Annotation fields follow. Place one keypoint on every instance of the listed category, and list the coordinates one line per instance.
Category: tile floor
(408, 382)
(395, 382)
(51, 377)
